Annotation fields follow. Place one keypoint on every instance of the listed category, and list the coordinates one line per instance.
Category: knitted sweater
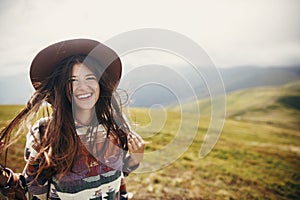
(97, 171)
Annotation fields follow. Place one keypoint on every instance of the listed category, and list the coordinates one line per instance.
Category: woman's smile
(84, 96)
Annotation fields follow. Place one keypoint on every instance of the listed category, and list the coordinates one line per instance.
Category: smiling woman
(81, 150)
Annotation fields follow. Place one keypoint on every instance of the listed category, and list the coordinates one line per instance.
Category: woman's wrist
(132, 161)
(130, 165)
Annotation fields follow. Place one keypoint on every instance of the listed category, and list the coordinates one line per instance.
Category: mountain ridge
(16, 89)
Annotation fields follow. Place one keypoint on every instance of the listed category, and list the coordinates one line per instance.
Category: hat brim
(48, 59)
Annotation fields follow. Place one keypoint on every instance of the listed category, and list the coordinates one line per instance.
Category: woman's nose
(82, 83)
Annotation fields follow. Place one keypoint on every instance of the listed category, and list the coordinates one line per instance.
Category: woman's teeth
(83, 96)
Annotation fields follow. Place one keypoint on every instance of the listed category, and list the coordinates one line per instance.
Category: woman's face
(86, 89)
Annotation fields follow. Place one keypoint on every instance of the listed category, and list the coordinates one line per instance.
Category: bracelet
(11, 176)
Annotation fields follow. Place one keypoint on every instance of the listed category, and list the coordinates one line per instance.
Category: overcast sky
(232, 32)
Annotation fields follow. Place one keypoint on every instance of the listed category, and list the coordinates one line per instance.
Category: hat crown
(46, 61)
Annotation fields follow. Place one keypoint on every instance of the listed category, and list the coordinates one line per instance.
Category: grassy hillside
(256, 157)
(274, 105)
(253, 159)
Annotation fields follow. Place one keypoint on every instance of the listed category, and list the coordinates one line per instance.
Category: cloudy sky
(233, 33)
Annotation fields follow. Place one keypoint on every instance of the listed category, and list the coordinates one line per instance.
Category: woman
(79, 151)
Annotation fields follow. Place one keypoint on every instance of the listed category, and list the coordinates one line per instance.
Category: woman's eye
(91, 78)
(72, 80)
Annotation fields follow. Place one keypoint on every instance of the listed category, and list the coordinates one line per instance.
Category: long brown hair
(59, 144)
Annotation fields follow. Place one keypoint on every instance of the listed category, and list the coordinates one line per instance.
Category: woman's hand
(136, 147)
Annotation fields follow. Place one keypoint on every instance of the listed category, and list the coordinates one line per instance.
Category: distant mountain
(157, 85)
(164, 86)
(248, 77)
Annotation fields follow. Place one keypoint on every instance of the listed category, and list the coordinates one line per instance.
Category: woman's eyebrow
(74, 76)
(90, 75)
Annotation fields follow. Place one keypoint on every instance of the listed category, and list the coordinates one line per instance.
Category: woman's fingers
(136, 146)
(135, 143)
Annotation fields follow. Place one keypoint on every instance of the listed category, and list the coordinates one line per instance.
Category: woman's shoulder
(38, 127)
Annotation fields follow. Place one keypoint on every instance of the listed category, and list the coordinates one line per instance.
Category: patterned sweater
(98, 171)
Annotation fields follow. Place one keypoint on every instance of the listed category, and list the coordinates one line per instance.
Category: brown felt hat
(48, 59)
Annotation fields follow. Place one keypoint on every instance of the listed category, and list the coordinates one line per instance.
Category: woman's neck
(84, 117)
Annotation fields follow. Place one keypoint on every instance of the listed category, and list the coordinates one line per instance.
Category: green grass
(250, 161)
(16, 152)
(256, 157)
